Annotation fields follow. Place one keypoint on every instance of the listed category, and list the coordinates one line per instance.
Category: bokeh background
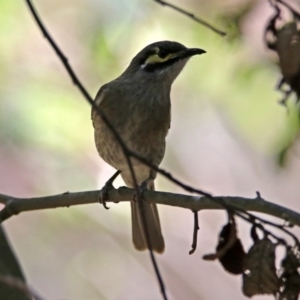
(227, 137)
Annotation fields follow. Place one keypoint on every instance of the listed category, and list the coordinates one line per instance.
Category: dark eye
(162, 53)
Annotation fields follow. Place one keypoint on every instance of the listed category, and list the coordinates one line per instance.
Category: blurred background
(229, 136)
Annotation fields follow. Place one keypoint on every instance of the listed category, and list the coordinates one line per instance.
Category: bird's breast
(142, 123)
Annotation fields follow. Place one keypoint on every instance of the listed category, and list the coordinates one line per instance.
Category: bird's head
(161, 61)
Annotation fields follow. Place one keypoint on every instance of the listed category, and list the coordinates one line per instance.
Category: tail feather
(152, 223)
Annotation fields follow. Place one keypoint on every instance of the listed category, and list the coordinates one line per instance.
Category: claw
(103, 196)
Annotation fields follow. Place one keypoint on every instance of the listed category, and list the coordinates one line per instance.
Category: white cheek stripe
(159, 73)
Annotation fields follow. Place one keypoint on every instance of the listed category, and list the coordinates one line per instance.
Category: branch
(14, 206)
(108, 123)
(192, 16)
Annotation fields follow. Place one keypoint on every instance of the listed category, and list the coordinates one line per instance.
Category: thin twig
(289, 7)
(279, 226)
(192, 16)
(253, 221)
(169, 176)
(111, 127)
(195, 232)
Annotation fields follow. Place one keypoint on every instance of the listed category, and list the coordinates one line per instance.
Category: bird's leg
(107, 187)
(145, 185)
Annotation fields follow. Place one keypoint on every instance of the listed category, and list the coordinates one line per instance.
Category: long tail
(152, 223)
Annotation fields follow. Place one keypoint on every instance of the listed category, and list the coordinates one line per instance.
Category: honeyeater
(137, 104)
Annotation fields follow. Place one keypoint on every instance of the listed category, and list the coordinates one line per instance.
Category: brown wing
(98, 99)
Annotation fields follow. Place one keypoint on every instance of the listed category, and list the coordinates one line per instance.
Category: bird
(138, 106)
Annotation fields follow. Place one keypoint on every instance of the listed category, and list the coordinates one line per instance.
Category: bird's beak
(190, 52)
(194, 51)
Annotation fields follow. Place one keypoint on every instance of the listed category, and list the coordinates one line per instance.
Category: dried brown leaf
(290, 277)
(283, 36)
(232, 259)
(259, 275)
(230, 251)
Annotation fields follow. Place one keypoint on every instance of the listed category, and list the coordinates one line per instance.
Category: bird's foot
(103, 196)
(138, 194)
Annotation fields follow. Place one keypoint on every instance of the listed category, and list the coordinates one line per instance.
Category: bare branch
(126, 151)
(192, 16)
(194, 203)
(195, 233)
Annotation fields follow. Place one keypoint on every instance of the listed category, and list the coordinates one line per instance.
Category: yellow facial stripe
(154, 58)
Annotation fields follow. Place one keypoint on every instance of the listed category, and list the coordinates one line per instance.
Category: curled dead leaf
(259, 276)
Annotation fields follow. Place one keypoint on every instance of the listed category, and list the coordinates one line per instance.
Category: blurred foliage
(232, 18)
(42, 100)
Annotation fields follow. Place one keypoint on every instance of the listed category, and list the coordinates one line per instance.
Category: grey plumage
(138, 105)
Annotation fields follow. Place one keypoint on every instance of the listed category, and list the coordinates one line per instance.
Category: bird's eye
(162, 53)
